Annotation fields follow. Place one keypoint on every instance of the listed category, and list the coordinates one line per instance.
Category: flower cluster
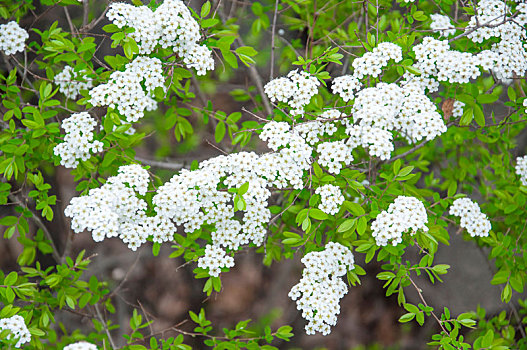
(214, 259)
(194, 198)
(442, 24)
(476, 223)
(71, 82)
(457, 110)
(313, 130)
(171, 25)
(521, 168)
(115, 210)
(405, 214)
(387, 107)
(320, 289)
(82, 345)
(346, 86)
(492, 21)
(435, 58)
(12, 38)
(17, 329)
(330, 199)
(296, 90)
(78, 141)
(124, 91)
(372, 63)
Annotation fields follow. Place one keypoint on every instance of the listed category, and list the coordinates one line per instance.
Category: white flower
(124, 90)
(17, 329)
(214, 259)
(71, 83)
(320, 289)
(405, 214)
(78, 142)
(346, 86)
(441, 23)
(114, 210)
(372, 63)
(296, 90)
(171, 25)
(82, 345)
(330, 199)
(12, 38)
(471, 216)
(521, 168)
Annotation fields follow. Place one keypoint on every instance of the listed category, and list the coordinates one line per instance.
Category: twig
(410, 151)
(72, 27)
(85, 12)
(273, 33)
(160, 164)
(101, 319)
(89, 26)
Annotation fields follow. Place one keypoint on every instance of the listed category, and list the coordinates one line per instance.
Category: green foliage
(474, 157)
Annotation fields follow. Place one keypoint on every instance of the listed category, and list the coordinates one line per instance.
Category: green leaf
(500, 277)
(406, 317)
(243, 189)
(405, 171)
(485, 99)
(467, 117)
(246, 50)
(205, 9)
(506, 293)
(317, 214)
(396, 166)
(11, 278)
(346, 225)
(478, 115)
(220, 132)
(354, 208)
(441, 269)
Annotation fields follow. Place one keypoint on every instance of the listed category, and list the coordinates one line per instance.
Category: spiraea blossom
(320, 289)
(521, 168)
(404, 215)
(325, 124)
(330, 199)
(372, 63)
(333, 154)
(441, 24)
(296, 90)
(472, 219)
(71, 82)
(115, 210)
(214, 259)
(17, 330)
(124, 90)
(510, 50)
(12, 38)
(380, 110)
(457, 110)
(346, 86)
(82, 345)
(171, 25)
(435, 58)
(78, 142)
(193, 198)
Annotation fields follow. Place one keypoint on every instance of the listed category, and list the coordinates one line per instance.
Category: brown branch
(273, 33)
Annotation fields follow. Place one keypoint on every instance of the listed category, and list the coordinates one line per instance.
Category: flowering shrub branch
(400, 125)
